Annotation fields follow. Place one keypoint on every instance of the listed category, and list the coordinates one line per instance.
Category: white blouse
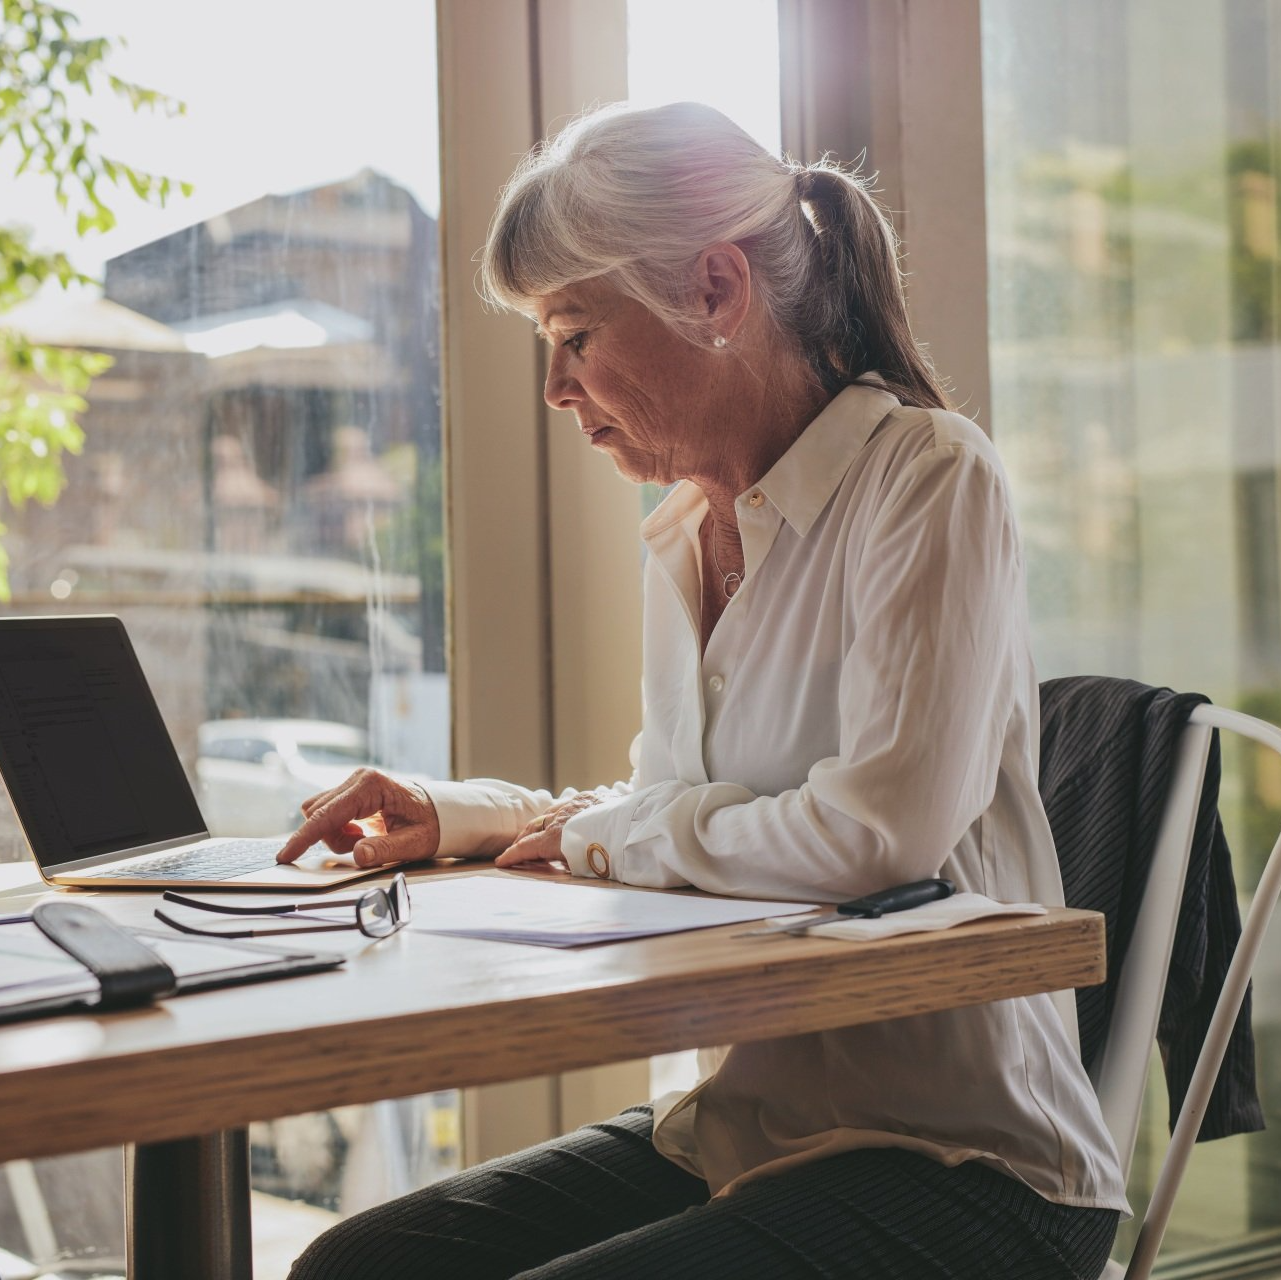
(866, 714)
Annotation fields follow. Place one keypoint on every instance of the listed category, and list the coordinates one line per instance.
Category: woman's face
(640, 393)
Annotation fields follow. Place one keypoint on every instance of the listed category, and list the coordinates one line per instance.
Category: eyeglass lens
(379, 912)
(400, 898)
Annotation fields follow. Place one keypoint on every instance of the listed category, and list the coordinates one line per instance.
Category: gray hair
(633, 197)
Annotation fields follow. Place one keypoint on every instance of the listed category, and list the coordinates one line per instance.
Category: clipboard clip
(129, 972)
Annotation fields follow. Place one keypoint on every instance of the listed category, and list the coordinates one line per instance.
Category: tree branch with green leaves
(48, 74)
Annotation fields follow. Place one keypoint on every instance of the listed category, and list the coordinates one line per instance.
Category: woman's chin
(636, 470)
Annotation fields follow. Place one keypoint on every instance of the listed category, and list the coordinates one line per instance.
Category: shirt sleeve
(926, 689)
(482, 816)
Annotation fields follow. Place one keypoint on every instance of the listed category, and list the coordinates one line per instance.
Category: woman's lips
(597, 434)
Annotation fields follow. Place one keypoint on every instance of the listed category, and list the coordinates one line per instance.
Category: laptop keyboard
(210, 862)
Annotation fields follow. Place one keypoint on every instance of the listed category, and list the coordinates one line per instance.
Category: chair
(63, 1216)
(1120, 1072)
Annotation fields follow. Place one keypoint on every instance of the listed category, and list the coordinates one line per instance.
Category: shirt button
(755, 498)
(716, 684)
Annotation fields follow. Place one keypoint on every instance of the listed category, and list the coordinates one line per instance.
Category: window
(1133, 153)
(260, 493)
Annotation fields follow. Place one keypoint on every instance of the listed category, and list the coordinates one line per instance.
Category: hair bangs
(536, 242)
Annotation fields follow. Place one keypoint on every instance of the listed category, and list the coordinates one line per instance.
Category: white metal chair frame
(1121, 1070)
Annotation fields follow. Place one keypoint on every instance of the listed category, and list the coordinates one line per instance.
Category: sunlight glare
(721, 52)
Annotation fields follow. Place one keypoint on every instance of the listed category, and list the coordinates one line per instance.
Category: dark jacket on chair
(1107, 756)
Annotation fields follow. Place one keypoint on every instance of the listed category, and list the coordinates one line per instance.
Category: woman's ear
(725, 283)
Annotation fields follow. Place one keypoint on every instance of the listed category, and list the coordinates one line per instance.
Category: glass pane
(259, 493)
(1133, 151)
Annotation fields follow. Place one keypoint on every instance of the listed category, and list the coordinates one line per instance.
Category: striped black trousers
(602, 1202)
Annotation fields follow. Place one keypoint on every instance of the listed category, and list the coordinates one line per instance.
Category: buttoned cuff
(592, 842)
(475, 819)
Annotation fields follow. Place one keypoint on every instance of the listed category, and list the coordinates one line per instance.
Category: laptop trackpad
(312, 869)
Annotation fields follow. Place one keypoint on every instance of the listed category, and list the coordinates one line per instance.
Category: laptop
(96, 782)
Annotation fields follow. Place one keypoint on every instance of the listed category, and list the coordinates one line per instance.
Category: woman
(838, 698)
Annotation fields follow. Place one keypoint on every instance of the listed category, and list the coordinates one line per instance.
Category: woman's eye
(576, 342)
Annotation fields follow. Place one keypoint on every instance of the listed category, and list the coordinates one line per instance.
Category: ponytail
(856, 323)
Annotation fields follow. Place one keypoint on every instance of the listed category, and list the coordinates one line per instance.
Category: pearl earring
(719, 340)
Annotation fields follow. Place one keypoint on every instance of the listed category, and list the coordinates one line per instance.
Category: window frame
(906, 99)
(543, 560)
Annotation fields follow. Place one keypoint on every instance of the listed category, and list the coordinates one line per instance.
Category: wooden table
(417, 1013)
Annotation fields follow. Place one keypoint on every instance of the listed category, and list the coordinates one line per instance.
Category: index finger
(329, 821)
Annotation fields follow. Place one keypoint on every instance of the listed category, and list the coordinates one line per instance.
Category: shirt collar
(801, 483)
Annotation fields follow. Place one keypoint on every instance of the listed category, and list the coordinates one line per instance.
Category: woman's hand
(539, 842)
(371, 816)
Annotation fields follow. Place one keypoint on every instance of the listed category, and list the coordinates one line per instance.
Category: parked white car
(252, 775)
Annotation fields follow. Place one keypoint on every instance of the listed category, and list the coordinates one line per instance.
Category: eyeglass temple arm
(270, 910)
(186, 928)
(247, 933)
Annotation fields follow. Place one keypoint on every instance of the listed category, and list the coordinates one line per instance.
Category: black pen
(902, 897)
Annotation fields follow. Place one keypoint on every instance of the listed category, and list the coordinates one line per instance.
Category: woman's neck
(750, 438)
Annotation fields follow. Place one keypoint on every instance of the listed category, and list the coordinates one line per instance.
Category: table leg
(188, 1208)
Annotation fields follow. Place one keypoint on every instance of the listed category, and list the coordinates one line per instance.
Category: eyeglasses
(379, 913)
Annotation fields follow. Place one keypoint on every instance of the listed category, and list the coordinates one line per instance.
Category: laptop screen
(88, 762)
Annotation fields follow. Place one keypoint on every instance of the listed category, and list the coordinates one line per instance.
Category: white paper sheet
(958, 909)
(32, 967)
(550, 914)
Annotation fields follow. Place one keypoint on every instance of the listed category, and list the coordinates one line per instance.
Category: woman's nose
(561, 391)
